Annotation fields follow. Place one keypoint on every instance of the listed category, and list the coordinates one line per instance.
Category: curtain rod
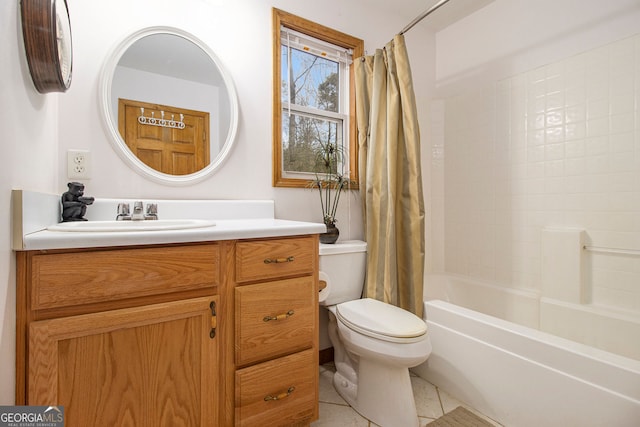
(423, 15)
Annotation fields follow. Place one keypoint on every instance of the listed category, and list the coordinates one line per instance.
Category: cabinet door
(154, 365)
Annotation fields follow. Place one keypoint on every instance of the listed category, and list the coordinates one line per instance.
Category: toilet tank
(342, 266)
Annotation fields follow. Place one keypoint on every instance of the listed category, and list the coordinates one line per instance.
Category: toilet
(374, 343)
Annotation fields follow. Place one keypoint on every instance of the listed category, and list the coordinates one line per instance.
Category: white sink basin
(120, 226)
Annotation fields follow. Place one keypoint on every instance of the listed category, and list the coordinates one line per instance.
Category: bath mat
(459, 417)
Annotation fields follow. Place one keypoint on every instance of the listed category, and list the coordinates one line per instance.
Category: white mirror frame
(110, 122)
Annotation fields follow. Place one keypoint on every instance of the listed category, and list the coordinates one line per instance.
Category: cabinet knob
(278, 316)
(214, 320)
(280, 396)
(278, 260)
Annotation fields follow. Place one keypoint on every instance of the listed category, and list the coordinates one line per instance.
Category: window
(313, 103)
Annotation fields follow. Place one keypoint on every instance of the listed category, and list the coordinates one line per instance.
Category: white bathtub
(606, 328)
(523, 377)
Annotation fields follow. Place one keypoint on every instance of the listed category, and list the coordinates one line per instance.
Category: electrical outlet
(78, 164)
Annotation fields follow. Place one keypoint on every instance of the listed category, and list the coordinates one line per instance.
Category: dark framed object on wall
(46, 30)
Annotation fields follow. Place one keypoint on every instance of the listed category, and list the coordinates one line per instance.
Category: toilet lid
(380, 320)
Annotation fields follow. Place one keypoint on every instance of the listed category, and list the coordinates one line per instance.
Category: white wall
(29, 152)
(539, 117)
(508, 37)
(39, 129)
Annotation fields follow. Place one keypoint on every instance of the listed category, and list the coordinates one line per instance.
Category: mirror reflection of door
(169, 150)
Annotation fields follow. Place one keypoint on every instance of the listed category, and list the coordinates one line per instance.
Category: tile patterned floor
(431, 403)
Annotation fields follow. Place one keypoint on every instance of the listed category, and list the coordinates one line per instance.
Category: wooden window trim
(282, 18)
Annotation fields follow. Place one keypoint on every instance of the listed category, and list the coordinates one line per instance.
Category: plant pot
(331, 235)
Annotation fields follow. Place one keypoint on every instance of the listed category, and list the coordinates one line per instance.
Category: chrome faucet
(123, 212)
(152, 211)
(138, 214)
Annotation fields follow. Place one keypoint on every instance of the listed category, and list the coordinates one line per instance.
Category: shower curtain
(390, 177)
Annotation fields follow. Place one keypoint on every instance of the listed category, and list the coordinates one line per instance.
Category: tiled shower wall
(556, 146)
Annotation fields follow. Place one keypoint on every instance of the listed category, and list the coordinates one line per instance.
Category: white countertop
(222, 230)
(241, 219)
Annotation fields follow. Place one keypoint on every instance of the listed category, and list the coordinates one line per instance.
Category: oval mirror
(169, 105)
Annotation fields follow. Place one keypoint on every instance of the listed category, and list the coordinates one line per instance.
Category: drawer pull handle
(278, 260)
(279, 316)
(214, 320)
(280, 396)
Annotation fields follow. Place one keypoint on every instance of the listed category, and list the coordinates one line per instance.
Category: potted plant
(330, 182)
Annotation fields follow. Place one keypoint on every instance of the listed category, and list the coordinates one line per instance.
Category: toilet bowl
(374, 343)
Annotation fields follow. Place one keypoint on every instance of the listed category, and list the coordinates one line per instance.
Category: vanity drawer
(274, 318)
(270, 259)
(280, 392)
(68, 279)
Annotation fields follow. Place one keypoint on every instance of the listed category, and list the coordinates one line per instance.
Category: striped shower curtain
(390, 177)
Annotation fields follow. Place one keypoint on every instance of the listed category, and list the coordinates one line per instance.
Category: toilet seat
(382, 321)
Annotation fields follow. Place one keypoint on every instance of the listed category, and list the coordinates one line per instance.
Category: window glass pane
(302, 139)
(310, 80)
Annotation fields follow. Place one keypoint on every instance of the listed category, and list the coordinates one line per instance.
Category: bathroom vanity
(211, 331)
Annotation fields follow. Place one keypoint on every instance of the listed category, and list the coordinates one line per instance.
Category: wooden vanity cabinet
(123, 336)
(203, 334)
(276, 331)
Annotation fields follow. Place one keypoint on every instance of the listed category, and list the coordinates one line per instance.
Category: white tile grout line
(440, 400)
